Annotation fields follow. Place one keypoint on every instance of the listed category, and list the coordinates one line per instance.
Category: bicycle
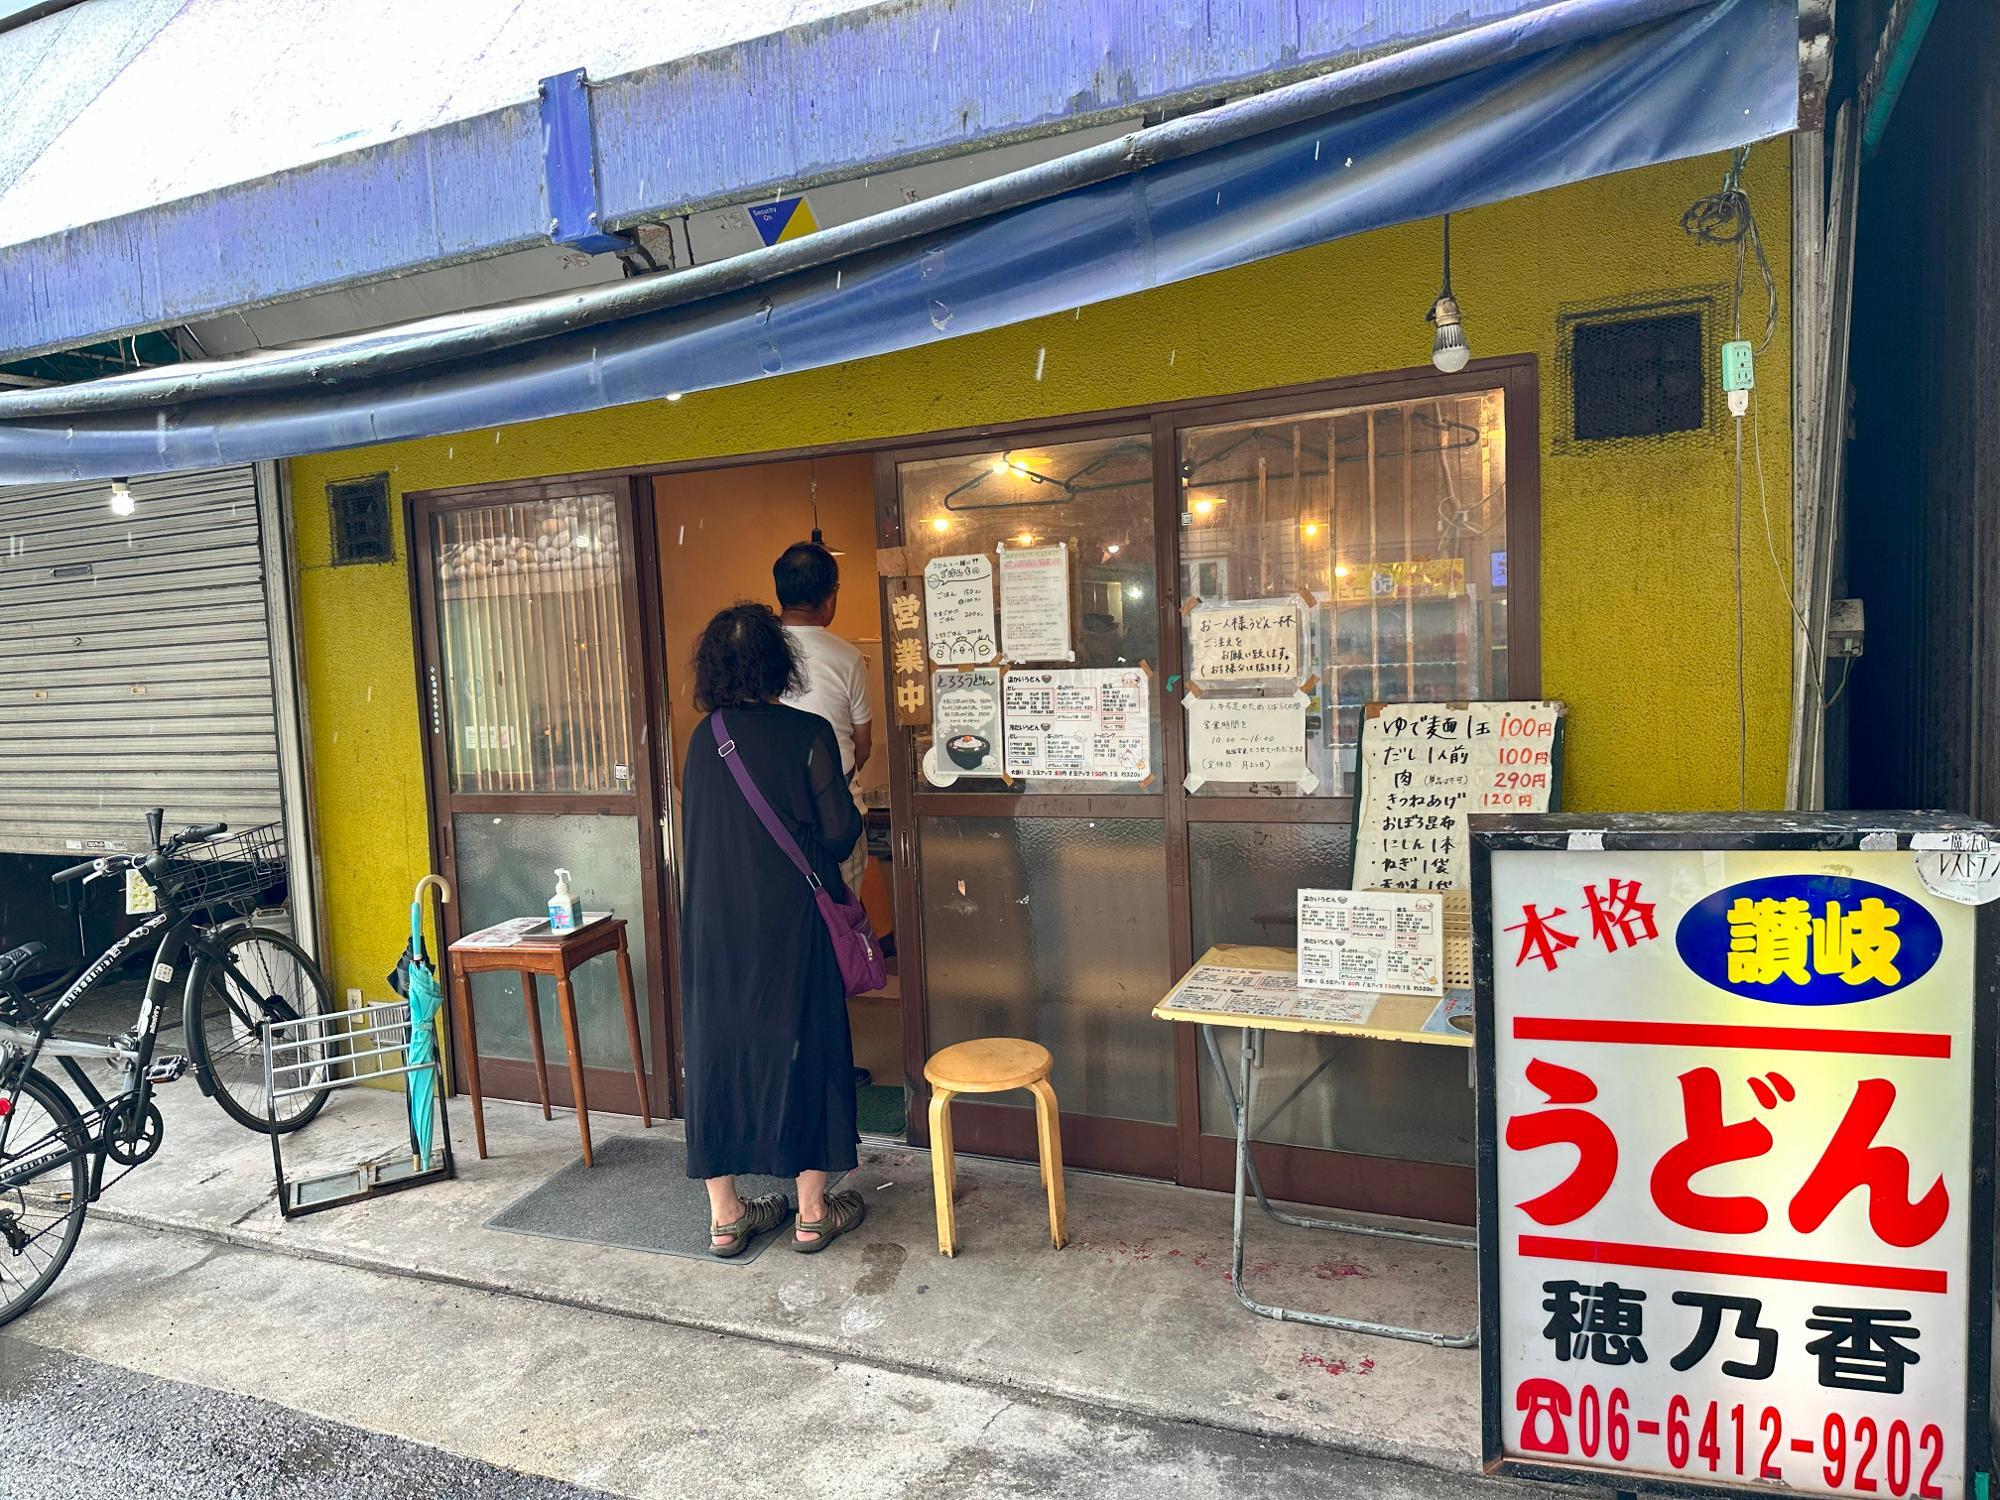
(43, 1136)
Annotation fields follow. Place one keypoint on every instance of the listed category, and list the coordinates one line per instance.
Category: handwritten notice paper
(958, 609)
(1248, 740)
(1086, 724)
(1253, 640)
(965, 725)
(1223, 991)
(1391, 944)
(1034, 604)
(1424, 766)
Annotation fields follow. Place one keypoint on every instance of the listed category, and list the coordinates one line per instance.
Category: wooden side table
(557, 956)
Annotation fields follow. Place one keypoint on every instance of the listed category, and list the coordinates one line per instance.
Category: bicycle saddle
(14, 960)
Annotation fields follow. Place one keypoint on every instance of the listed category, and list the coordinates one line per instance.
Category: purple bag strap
(726, 748)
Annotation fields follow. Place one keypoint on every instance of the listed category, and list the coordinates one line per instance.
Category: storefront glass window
(533, 632)
(1376, 1098)
(1094, 498)
(1387, 527)
(1053, 928)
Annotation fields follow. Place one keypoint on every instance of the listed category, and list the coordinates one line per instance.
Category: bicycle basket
(243, 871)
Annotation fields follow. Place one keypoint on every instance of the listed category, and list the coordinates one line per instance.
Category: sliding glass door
(536, 714)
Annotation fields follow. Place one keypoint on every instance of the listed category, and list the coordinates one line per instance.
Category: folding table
(1390, 1018)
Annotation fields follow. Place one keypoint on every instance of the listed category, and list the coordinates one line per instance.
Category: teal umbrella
(419, 985)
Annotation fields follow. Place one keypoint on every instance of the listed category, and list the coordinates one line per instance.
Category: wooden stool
(558, 957)
(994, 1065)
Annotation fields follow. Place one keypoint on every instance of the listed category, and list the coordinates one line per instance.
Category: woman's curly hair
(744, 658)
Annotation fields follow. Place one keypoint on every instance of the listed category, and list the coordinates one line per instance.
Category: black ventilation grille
(1637, 377)
(360, 511)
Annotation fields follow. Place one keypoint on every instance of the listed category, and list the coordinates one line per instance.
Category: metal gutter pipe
(1564, 23)
(1883, 91)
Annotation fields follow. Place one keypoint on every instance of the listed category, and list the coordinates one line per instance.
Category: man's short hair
(806, 576)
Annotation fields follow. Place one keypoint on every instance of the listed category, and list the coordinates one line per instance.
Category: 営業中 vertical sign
(909, 662)
(1731, 1229)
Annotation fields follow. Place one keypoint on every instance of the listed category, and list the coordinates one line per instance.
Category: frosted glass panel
(1377, 1098)
(1055, 929)
(506, 868)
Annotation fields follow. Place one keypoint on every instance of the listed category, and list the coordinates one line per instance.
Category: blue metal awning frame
(1577, 90)
(851, 91)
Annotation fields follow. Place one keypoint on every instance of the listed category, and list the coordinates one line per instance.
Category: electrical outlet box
(354, 999)
(1738, 366)
(1846, 628)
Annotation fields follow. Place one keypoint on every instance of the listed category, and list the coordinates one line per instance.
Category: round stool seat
(988, 1065)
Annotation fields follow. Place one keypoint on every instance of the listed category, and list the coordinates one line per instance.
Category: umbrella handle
(417, 909)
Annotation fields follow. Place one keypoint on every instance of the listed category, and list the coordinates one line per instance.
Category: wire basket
(243, 871)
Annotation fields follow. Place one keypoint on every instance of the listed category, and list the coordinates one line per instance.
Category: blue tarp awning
(1576, 90)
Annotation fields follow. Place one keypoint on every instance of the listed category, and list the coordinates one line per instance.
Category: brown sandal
(844, 1211)
(759, 1215)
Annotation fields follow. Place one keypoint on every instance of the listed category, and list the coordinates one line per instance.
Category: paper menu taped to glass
(1391, 943)
(1250, 640)
(1081, 724)
(965, 725)
(1424, 766)
(958, 609)
(1034, 604)
(1269, 994)
(1255, 740)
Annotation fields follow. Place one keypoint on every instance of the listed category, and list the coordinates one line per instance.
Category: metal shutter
(135, 663)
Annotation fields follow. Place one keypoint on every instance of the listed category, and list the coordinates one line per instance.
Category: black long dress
(770, 1063)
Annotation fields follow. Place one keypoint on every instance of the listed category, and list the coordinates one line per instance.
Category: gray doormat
(637, 1197)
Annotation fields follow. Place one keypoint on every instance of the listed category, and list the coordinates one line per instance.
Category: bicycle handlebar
(107, 863)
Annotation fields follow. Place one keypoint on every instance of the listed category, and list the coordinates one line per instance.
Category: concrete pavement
(494, 1385)
(1136, 1316)
(84, 1430)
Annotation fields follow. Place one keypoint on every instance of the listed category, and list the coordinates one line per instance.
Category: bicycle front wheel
(248, 976)
(44, 1190)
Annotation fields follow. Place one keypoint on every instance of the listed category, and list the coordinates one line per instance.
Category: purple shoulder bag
(854, 942)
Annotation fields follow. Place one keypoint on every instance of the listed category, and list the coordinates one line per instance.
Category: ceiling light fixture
(1449, 350)
(122, 503)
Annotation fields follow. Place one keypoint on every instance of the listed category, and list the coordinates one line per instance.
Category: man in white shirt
(836, 679)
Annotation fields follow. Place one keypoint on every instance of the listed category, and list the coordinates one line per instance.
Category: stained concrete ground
(543, 1354)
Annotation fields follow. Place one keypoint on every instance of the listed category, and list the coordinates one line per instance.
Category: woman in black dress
(770, 1064)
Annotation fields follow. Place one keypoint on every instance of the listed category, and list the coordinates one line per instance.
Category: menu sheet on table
(1392, 942)
(1222, 990)
(1424, 766)
(517, 930)
(1078, 724)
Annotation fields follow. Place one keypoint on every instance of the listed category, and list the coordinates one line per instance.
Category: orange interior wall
(721, 529)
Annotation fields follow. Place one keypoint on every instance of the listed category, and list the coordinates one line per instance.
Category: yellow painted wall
(1638, 609)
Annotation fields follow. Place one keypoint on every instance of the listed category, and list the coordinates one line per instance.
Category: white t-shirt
(836, 685)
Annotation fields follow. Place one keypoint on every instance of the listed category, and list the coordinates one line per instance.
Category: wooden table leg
(632, 1031)
(468, 1040)
(534, 1004)
(566, 1003)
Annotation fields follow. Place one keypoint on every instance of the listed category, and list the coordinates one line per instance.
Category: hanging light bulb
(1449, 350)
(122, 503)
(812, 496)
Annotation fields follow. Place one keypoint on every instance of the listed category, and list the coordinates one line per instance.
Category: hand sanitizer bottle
(565, 911)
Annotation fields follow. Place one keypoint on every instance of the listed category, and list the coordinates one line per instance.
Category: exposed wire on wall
(1725, 217)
